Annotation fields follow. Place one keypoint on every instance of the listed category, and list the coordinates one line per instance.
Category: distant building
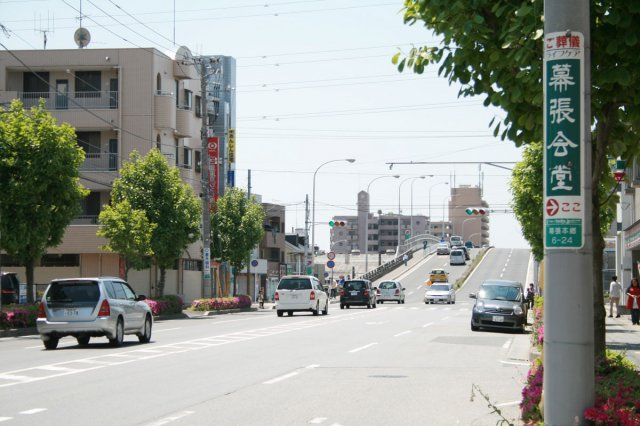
(471, 227)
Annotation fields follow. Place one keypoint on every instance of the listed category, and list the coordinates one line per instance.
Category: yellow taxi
(437, 276)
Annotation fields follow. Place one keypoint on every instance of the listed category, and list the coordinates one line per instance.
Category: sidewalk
(623, 336)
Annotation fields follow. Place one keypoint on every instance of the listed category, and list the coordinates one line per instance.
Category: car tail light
(366, 292)
(312, 295)
(105, 309)
(276, 296)
(397, 292)
(341, 292)
(41, 312)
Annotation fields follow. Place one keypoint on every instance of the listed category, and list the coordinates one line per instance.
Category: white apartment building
(118, 100)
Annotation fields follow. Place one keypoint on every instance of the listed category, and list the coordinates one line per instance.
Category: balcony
(185, 121)
(164, 104)
(99, 162)
(72, 100)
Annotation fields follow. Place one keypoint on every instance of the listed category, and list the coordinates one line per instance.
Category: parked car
(441, 292)
(456, 257)
(9, 288)
(358, 293)
(91, 307)
(300, 293)
(442, 248)
(464, 250)
(499, 304)
(390, 291)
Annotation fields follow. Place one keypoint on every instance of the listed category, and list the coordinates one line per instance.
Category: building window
(177, 93)
(188, 95)
(192, 265)
(60, 260)
(158, 143)
(158, 84)
(89, 142)
(198, 162)
(274, 254)
(211, 119)
(198, 106)
(177, 151)
(187, 158)
(88, 84)
(91, 204)
(9, 261)
(36, 83)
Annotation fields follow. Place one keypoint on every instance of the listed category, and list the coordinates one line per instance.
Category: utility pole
(306, 233)
(255, 296)
(205, 179)
(568, 293)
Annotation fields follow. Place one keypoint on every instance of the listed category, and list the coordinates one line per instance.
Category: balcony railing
(99, 162)
(85, 220)
(71, 100)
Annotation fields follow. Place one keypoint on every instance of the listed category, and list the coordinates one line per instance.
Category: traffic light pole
(568, 292)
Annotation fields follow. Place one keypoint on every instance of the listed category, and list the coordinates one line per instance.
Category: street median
(472, 266)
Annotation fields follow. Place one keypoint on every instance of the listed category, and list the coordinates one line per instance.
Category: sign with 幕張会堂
(564, 148)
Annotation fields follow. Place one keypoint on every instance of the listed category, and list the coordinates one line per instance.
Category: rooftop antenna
(82, 37)
(39, 27)
(174, 23)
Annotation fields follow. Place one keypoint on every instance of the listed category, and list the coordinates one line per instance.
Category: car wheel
(454, 301)
(381, 302)
(316, 311)
(119, 337)
(83, 340)
(51, 344)
(474, 327)
(290, 313)
(368, 305)
(348, 306)
(145, 337)
(426, 303)
(280, 313)
(341, 306)
(326, 308)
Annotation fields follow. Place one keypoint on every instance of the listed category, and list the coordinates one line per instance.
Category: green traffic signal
(331, 223)
(469, 212)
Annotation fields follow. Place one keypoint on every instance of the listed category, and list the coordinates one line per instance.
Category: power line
(318, 86)
(342, 131)
(140, 22)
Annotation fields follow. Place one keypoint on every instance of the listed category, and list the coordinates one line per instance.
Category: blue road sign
(331, 264)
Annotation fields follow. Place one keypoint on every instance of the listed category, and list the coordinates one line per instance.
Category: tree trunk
(160, 286)
(29, 266)
(235, 282)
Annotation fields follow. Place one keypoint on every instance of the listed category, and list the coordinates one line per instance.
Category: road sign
(331, 255)
(254, 262)
(407, 234)
(331, 264)
(206, 262)
(564, 153)
(326, 274)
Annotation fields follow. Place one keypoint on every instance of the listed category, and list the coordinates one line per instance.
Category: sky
(315, 83)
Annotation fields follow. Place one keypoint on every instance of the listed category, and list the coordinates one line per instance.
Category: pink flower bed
(532, 394)
(221, 303)
(165, 305)
(18, 316)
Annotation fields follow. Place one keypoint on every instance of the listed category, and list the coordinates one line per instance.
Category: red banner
(213, 145)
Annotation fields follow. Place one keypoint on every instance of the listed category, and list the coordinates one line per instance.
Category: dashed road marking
(402, 333)
(317, 420)
(170, 419)
(352, 351)
(506, 344)
(33, 411)
(514, 363)
(4, 419)
(427, 324)
(166, 329)
(444, 318)
(281, 378)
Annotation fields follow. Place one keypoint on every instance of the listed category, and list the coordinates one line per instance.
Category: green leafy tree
(237, 226)
(129, 233)
(39, 183)
(150, 185)
(493, 48)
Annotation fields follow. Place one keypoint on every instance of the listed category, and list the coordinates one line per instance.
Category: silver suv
(90, 307)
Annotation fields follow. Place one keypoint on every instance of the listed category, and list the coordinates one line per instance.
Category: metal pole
(430, 188)
(306, 233)
(205, 179)
(366, 242)
(463, 222)
(255, 296)
(568, 307)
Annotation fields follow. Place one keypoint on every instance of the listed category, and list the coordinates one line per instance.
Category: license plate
(294, 296)
(498, 318)
(354, 293)
(71, 312)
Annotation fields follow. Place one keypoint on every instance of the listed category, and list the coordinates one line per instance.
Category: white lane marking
(514, 363)
(312, 366)
(33, 411)
(501, 275)
(281, 378)
(4, 419)
(506, 404)
(14, 377)
(447, 309)
(55, 368)
(352, 351)
(166, 329)
(433, 308)
(504, 269)
(414, 308)
(506, 344)
(402, 333)
(427, 324)
(419, 287)
(444, 318)
(410, 293)
(317, 420)
(170, 419)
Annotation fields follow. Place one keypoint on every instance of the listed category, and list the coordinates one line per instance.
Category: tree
(236, 227)
(151, 186)
(493, 48)
(39, 183)
(129, 233)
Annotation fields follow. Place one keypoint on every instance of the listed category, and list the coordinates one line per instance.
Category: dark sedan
(358, 293)
(499, 304)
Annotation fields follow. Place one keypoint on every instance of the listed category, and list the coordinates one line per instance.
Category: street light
(471, 238)
(313, 208)
(465, 221)
(411, 219)
(399, 211)
(430, 188)
(443, 204)
(366, 221)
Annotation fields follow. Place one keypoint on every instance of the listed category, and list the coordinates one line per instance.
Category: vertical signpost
(569, 375)
(213, 149)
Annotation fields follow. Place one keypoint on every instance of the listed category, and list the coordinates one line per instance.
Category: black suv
(10, 288)
(358, 293)
(499, 304)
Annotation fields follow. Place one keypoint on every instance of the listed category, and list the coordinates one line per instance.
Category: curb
(18, 332)
(200, 314)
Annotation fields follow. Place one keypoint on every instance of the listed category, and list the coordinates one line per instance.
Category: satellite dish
(82, 37)
(183, 54)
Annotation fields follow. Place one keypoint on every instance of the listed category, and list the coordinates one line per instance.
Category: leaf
(395, 58)
(401, 65)
(478, 19)
(538, 34)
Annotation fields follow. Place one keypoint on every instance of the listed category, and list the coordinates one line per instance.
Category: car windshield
(355, 285)
(439, 288)
(499, 292)
(295, 284)
(456, 253)
(437, 271)
(387, 285)
(73, 292)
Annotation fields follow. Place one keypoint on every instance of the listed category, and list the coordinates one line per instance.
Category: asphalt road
(396, 364)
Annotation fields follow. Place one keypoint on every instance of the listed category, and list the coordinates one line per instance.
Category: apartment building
(118, 100)
(628, 234)
(473, 228)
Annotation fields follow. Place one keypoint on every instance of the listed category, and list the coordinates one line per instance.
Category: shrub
(165, 305)
(221, 303)
(18, 316)
(532, 394)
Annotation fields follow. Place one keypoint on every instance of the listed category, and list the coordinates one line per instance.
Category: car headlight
(518, 310)
(479, 307)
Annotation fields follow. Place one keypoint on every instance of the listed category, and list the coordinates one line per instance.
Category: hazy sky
(315, 83)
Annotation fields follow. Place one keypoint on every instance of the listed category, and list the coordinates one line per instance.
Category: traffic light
(475, 211)
(337, 223)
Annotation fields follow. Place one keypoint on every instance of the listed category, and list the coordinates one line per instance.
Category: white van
(456, 257)
(301, 293)
(455, 240)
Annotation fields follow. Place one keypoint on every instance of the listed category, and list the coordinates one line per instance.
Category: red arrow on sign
(552, 207)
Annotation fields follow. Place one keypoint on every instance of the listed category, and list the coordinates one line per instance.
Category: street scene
(319, 212)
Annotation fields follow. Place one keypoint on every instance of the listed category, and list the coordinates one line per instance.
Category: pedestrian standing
(633, 301)
(334, 289)
(261, 298)
(531, 293)
(405, 259)
(615, 293)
